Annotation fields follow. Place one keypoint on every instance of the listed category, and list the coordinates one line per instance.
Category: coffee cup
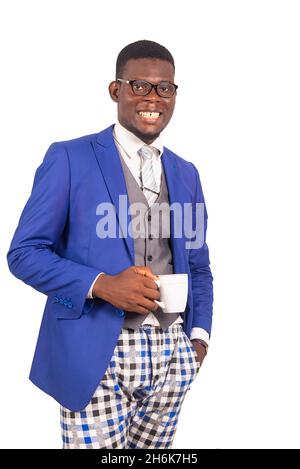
(173, 292)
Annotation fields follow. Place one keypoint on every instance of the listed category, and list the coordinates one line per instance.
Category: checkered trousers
(138, 400)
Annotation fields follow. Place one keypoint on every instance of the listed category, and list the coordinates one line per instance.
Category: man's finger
(146, 272)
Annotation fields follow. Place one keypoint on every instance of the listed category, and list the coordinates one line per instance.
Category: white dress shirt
(128, 146)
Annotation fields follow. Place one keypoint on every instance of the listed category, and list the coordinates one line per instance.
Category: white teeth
(152, 115)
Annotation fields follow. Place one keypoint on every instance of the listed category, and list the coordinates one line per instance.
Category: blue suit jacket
(55, 250)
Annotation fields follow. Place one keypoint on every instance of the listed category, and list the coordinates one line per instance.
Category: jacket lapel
(112, 171)
(172, 175)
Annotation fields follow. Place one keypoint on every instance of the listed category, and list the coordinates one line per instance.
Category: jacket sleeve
(202, 279)
(32, 257)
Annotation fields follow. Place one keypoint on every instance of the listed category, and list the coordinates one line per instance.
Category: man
(118, 366)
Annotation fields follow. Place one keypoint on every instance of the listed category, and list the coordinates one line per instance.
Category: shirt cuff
(90, 292)
(199, 333)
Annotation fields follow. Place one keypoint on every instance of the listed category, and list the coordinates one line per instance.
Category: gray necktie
(149, 186)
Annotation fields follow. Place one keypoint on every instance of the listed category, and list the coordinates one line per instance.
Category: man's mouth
(149, 115)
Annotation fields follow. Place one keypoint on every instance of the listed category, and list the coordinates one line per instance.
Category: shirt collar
(131, 143)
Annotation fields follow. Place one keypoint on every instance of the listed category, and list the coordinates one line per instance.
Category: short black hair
(142, 50)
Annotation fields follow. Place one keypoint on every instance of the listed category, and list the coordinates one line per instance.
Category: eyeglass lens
(164, 88)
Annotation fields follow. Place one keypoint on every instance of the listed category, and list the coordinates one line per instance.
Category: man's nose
(153, 95)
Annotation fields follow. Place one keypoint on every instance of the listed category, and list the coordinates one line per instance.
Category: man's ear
(114, 91)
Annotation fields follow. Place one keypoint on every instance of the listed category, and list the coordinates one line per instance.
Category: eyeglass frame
(130, 82)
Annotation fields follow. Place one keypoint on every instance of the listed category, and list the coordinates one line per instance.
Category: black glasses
(165, 89)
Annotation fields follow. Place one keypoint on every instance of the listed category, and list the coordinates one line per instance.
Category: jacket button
(149, 258)
(120, 312)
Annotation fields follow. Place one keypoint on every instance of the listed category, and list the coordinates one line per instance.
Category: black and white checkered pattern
(138, 400)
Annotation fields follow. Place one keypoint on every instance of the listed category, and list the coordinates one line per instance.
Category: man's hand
(132, 290)
(200, 349)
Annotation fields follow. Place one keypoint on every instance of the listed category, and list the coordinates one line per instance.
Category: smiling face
(133, 110)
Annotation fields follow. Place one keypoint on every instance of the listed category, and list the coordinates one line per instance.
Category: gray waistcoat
(151, 248)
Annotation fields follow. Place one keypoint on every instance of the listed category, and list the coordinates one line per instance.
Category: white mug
(173, 292)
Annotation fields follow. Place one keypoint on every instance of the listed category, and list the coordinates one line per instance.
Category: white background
(237, 119)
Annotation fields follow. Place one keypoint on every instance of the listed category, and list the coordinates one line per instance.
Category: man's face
(130, 105)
